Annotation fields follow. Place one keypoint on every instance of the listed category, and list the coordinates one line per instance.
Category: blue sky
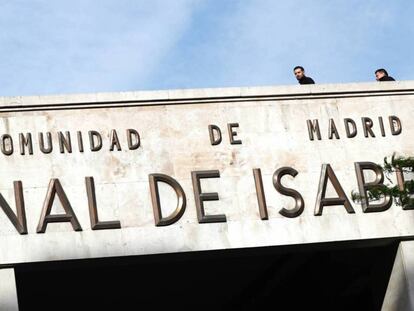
(76, 46)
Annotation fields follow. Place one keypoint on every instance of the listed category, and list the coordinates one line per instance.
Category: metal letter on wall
(200, 197)
(131, 144)
(395, 124)
(367, 127)
(25, 141)
(93, 211)
(64, 142)
(299, 203)
(213, 139)
(349, 133)
(80, 141)
(56, 188)
(19, 221)
(154, 179)
(364, 186)
(313, 127)
(95, 146)
(232, 134)
(261, 199)
(6, 151)
(332, 130)
(328, 173)
(381, 123)
(113, 138)
(42, 143)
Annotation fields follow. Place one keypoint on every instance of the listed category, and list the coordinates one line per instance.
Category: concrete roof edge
(207, 93)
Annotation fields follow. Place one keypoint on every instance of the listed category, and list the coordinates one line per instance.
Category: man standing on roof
(382, 75)
(299, 72)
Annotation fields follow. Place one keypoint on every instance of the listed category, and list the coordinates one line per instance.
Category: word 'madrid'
(351, 128)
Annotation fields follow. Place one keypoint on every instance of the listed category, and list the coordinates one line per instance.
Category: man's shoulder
(311, 80)
(387, 78)
(307, 80)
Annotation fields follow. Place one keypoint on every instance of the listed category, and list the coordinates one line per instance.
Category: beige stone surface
(175, 141)
(400, 290)
(8, 291)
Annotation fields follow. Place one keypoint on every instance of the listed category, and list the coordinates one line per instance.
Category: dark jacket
(386, 78)
(306, 80)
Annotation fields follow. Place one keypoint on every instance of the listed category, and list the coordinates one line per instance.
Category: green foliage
(401, 196)
(403, 163)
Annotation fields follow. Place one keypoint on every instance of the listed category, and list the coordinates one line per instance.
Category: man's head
(380, 73)
(299, 72)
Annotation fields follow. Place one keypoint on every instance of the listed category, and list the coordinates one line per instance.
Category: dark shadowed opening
(330, 276)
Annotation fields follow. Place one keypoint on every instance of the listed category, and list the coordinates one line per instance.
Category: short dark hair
(382, 70)
(299, 67)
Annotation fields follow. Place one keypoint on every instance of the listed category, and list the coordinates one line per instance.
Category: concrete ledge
(175, 96)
